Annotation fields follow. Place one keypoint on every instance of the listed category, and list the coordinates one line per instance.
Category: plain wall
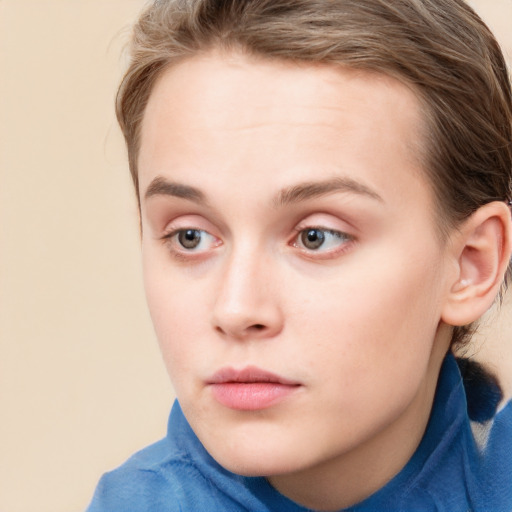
(82, 385)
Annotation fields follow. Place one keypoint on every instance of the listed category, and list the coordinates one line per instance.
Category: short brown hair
(440, 48)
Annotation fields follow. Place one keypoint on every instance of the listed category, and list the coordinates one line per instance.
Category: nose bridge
(247, 303)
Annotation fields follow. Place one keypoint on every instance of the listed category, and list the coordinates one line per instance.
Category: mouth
(250, 389)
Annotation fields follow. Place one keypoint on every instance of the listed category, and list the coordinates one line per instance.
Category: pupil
(189, 238)
(313, 238)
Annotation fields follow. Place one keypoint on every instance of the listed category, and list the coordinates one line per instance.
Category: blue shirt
(460, 465)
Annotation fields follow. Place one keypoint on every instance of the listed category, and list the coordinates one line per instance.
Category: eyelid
(172, 233)
(326, 223)
(323, 255)
(335, 232)
(184, 223)
(185, 256)
(168, 214)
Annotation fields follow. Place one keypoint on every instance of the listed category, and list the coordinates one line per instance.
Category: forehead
(227, 112)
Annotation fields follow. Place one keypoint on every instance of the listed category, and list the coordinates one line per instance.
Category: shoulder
(171, 475)
(493, 483)
(485, 440)
(465, 460)
(137, 485)
(473, 471)
(488, 455)
(155, 478)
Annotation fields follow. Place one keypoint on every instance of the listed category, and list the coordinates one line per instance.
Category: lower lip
(251, 396)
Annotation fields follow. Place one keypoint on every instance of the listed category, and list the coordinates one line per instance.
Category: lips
(250, 389)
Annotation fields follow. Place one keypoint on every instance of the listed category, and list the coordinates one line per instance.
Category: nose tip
(244, 309)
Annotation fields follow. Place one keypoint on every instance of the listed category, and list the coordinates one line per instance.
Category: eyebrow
(311, 190)
(161, 187)
(294, 194)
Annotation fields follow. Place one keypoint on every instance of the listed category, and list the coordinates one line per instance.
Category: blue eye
(314, 239)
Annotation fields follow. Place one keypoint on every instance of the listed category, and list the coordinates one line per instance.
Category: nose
(247, 304)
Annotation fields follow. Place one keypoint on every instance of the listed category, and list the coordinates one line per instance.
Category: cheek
(367, 353)
(372, 323)
(175, 309)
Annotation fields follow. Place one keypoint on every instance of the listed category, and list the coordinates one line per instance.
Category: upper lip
(249, 374)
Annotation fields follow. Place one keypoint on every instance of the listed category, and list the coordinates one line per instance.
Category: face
(291, 260)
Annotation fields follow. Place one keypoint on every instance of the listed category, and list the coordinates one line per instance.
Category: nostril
(253, 328)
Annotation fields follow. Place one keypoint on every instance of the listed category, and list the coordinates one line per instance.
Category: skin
(357, 322)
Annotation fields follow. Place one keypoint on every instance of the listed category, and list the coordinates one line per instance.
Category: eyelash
(313, 234)
(343, 241)
(176, 247)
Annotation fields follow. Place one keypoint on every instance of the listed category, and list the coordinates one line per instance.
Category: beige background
(81, 381)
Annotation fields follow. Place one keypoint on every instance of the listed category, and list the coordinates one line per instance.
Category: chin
(257, 460)
(256, 468)
(253, 444)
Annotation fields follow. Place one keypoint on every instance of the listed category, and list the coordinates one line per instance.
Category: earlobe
(482, 248)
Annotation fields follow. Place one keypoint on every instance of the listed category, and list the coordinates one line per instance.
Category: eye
(191, 240)
(321, 240)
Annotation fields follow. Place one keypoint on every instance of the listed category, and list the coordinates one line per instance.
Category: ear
(482, 248)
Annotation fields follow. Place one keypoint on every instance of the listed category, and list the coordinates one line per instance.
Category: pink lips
(250, 389)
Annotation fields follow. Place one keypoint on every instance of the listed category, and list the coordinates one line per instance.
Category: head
(439, 48)
(322, 188)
